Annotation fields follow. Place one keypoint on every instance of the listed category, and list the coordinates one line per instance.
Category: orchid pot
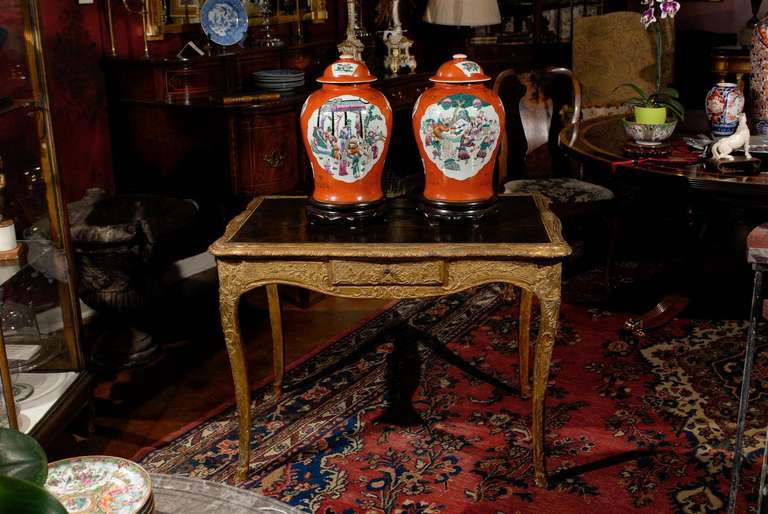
(650, 115)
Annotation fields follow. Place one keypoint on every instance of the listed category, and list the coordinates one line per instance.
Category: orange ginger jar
(458, 124)
(346, 127)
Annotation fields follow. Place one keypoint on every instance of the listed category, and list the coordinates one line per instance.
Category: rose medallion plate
(225, 22)
(100, 485)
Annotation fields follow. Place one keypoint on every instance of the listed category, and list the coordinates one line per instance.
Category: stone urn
(346, 127)
(458, 124)
(123, 245)
(724, 104)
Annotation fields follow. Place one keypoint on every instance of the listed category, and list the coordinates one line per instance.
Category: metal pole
(5, 378)
(749, 354)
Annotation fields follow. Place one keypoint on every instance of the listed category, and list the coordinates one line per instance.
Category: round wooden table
(599, 143)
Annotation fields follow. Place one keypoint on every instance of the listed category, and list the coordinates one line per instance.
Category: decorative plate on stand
(225, 22)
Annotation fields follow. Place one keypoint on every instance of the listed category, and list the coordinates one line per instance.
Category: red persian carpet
(632, 425)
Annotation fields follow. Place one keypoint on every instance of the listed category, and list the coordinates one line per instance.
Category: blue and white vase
(724, 105)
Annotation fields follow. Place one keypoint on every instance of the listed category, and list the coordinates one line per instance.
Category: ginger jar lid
(460, 70)
(346, 71)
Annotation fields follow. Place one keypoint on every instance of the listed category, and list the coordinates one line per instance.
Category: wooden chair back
(533, 103)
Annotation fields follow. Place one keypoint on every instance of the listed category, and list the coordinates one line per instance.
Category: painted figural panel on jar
(347, 136)
(346, 127)
(458, 124)
(460, 133)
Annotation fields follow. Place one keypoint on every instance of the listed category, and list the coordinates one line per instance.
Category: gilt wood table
(272, 242)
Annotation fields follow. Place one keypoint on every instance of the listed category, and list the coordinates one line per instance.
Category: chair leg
(524, 342)
(749, 354)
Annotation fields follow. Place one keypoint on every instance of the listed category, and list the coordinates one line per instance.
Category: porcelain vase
(458, 124)
(346, 126)
(759, 79)
(724, 105)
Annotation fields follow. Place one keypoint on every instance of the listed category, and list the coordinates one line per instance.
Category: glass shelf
(17, 104)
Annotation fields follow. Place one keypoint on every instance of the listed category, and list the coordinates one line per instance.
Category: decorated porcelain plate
(225, 22)
(279, 74)
(99, 485)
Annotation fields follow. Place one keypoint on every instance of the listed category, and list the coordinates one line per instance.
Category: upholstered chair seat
(561, 190)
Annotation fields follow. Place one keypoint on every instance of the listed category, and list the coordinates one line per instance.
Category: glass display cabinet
(44, 383)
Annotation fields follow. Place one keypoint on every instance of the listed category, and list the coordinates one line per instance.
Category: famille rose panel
(99, 485)
(460, 133)
(344, 69)
(347, 136)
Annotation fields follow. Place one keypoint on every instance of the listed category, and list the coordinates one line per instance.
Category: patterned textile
(757, 245)
(631, 426)
(614, 48)
(560, 189)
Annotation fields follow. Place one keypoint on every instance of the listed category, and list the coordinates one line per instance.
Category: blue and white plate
(225, 22)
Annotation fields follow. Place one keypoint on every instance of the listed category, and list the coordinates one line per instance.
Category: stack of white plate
(278, 80)
(101, 485)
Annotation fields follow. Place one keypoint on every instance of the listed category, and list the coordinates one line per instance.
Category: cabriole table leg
(228, 304)
(524, 342)
(278, 344)
(550, 310)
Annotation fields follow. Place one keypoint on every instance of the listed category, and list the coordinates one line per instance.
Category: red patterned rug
(632, 426)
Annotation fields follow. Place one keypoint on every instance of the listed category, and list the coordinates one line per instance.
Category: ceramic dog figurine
(723, 148)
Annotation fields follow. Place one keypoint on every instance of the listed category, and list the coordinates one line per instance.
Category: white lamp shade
(465, 13)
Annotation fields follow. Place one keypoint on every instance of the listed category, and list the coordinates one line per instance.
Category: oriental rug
(632, 425)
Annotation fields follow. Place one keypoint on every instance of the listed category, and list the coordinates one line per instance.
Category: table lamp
(464, 13)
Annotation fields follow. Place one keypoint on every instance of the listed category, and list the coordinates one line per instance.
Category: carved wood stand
(248, 256)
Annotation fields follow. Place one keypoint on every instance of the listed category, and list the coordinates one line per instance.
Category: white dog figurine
(722, 149)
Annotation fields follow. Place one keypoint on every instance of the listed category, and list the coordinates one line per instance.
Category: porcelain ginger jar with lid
(346, 127)
(458, 124)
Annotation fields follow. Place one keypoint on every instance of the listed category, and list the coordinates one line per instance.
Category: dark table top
(273, 226)
(600, 142)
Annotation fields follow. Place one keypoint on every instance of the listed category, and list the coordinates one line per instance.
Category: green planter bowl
(648, 135)
(651, 115)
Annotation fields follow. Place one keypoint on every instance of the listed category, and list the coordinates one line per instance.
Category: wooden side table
(272, 243)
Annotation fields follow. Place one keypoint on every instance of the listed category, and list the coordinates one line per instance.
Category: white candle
(396, 13)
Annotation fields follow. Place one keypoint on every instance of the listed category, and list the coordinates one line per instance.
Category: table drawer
(362, 273)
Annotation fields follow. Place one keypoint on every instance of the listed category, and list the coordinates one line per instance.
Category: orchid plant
(662, 97)
(666, 9)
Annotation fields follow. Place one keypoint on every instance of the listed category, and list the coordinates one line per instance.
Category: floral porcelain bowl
(648, 135)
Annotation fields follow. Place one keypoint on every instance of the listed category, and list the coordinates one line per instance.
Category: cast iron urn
(346, 126)
(458, 124)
